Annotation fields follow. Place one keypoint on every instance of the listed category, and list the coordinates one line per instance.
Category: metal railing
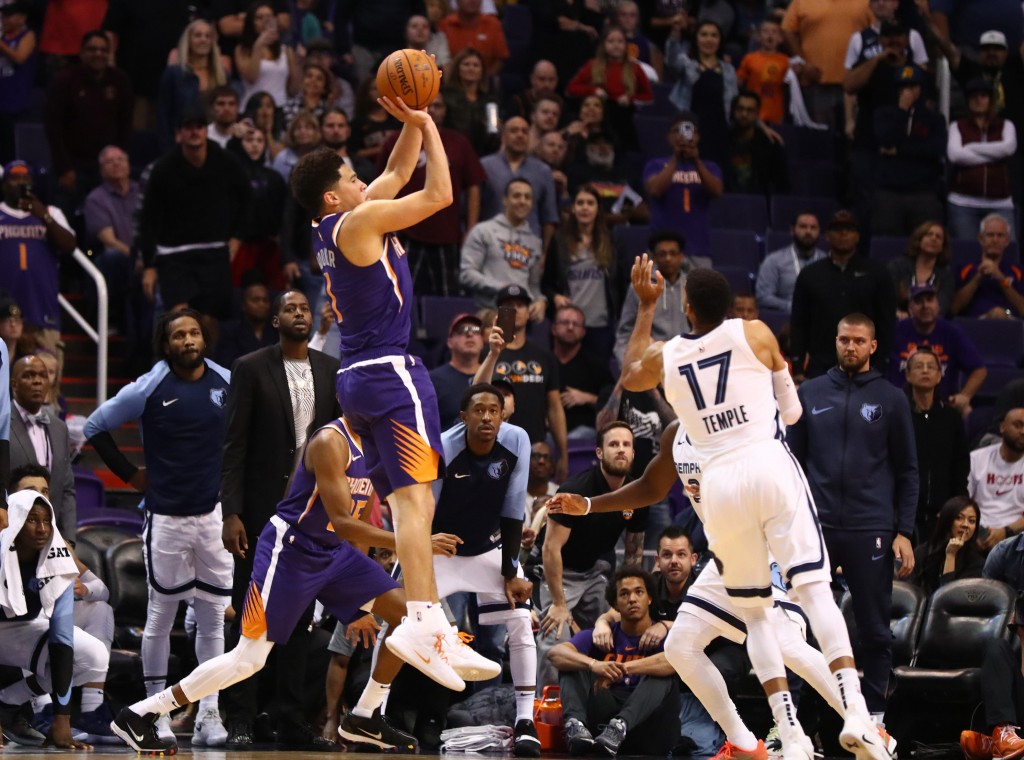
(99, 333)
(943, 78)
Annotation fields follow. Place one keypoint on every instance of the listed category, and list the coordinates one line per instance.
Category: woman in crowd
(303, 135)
(194, 68)
(315, 96)
(466, 93)
(706, 85)
(590, 119)
(617, 79)
(264, 63)
(581, 270)
(926, 263)
(952, 552)
(264, 115)
(371, 124)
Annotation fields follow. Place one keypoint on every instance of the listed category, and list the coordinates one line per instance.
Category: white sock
(210, 702)
(373, 696)
(879, 719)
(784, 712)
(524, 704)
(91, 698)
(155, 686)
(161, 703)
(849, 691)
(418, 612)
(39, 701)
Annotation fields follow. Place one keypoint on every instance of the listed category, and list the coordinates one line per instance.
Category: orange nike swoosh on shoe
(425, 659)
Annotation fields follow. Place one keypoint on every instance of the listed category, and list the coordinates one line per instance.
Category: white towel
(56, 569)
(477, 739)
(797, 108)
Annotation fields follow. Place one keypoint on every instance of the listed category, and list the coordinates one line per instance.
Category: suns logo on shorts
(497, 470)
(219, 397)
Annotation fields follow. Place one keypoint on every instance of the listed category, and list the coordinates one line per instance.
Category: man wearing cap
(911, 139)
(680, 187)
(465, 343)
(505, 251)
(998, 58)
(955, 352)
(189, 221)
(88, 107)
(994, 287)
(827, 290)
(33, 236)
(980, 147)
(534, 372)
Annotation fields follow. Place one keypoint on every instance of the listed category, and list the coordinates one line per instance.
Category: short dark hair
(554, 97)
(334, 109)
(519, 180)
(856, 319)
(467, 395)
(630, 571)
(922, 351)
(608, 428)
(314, 175)
(675, 531)
(221, 91)
(278, 303)
(709, 295)
(665, 236)
(91, 35)
(164, 321)
(804, 212)
(744, 94)
(30, 470)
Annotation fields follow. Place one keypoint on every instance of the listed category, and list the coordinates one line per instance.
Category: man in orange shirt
(468, 27)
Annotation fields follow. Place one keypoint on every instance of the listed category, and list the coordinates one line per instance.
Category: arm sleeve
(957, 152)
(853, 48)
(62, 654)
(511, 540)
(127, 405)
(903, 454)
(112, 456)
(999, 149)
(97, 589)
(796, 434)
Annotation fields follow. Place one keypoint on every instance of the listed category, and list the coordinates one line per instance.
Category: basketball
(409, 75)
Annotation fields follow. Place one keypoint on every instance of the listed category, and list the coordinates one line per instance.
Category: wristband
(587, 499)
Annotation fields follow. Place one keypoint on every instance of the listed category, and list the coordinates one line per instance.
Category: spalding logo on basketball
(409, 75)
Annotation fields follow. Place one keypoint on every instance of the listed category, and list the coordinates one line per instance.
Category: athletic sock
(92, 698)
(784, 712)
(161, 704)
(373, 696)
(524, 705)
(849, 690)
(210, 702)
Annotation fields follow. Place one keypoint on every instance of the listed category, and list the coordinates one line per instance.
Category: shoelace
(463, 639)
(439, 646)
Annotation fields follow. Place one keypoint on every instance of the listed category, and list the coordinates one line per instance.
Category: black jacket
(919, 138)
(943, 461)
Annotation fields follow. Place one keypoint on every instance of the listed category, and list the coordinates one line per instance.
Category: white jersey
(721, 392)
(688, 468)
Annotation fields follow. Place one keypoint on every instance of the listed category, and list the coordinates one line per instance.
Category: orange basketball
(410, 75)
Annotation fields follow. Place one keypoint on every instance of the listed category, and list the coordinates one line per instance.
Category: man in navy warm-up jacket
(855, 441)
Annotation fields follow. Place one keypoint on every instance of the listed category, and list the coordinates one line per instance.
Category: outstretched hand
(647, 281)
(567, 504)
(401, 111)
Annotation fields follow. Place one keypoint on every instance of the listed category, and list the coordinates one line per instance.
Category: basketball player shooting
(387, 395)
(730, 387)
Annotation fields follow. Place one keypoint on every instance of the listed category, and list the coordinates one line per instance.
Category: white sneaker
(466, 661)
(426, 650)
(861, 737)
(209, 731)
(163, 729)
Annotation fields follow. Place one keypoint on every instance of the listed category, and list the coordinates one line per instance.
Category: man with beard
(181, 407)
(277, 394)
(777, 276)
(616, 185)
(997, 472)
(576, 548)
(865, 485)
(755, 165)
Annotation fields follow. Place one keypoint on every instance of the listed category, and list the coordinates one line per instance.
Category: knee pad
(686, 641)
(826, 620)
(91, 659)
(250, 656)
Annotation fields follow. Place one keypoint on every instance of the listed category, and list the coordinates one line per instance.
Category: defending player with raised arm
(306, 551)
(388, 396)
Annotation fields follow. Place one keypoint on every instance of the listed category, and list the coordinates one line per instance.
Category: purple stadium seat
(775, 319)
(90, 495)
(741, 279)
(651, 131)
(437, 313)
(740, 212)
(735, 248)
(885, 249)
(999, 341)
(997, 379)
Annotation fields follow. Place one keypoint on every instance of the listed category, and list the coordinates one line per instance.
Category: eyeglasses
(467, 330)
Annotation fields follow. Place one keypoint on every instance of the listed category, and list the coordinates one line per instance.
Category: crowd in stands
(798, 147)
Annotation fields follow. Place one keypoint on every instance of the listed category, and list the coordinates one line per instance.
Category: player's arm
(400, 165)
(650, 488)
(513, 508)
(327, 456)
(642, 363)
(557, 615)
(559, 431)
(766, 347)
(126, 406)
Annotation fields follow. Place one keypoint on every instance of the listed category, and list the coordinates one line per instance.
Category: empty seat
(774, 319)
(740, 212)
(961, 618)
(997, 379)
(90, 495)
(735, 248)
(741, 279)
(999, 341)
(129, 591)
(905, 620)
(785, 207)
(582, 454)
(104, 536)
(885, 249)
(652, 133)
(630, 241)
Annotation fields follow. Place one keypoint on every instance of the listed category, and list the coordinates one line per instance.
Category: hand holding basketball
(410, 76)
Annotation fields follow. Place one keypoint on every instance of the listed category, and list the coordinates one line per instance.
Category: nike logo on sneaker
(425, 659)
(816, 411)
(373, 736)
(168, 403)
(137, 737)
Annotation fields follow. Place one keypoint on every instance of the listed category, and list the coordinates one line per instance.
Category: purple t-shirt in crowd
(989, 294)
(955, 351)
(624, 648)
(684, 206)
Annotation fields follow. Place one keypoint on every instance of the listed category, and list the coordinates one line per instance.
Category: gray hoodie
(497, 254)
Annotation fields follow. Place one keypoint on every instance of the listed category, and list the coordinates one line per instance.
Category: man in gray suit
(40, 437)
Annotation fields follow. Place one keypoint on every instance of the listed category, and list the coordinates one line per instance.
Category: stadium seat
(128, 521)
(740, 212)
(741, 279)
(90, 495)
(92, 558)
(886, 249)
(999, 341)
(437, 313)
(961, 617)
(905, 620)
(774, 319)
(785, 207)
(997, 379)
(978, 423)
(735, 248)
(661, 106)
(807, 144)
(814, 177)
(127, 582)
(31, 145)
(103, 537)
(581, 455)
(651, 131)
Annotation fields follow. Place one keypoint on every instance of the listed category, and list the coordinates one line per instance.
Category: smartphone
(686, 130)
(507, 322)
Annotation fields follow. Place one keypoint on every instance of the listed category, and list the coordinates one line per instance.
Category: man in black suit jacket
(278, 394)
(39, 436)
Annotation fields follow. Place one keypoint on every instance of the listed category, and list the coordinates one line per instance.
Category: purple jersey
(28, 267)
(302, 507)
(373, 304)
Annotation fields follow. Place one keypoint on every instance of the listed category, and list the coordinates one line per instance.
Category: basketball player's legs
(412, 508)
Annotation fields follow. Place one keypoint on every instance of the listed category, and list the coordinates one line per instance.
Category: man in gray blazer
(38, 436)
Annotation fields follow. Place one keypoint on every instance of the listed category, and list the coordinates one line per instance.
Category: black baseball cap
(513, 293)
